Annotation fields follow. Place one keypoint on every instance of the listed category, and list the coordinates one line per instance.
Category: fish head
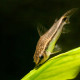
(65, 18)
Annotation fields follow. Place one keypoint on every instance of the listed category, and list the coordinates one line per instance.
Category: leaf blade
(60, 67)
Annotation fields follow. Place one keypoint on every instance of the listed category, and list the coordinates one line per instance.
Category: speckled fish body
(48, 40)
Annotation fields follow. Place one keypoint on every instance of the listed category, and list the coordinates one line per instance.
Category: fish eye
(41, 57)
(65, 18)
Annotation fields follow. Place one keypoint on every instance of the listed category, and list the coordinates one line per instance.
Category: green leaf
(61, 67)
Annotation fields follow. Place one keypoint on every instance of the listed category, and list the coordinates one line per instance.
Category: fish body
(47, 41)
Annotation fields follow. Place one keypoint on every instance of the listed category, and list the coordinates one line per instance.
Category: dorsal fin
(41, 29)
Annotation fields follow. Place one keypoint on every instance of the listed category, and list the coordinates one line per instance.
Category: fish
(47, 42)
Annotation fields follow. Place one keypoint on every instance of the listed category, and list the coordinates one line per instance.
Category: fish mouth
(70, 12)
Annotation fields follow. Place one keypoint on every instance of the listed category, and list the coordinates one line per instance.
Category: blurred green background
(19, 19)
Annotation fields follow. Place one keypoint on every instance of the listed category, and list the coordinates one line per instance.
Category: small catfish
(47, 42)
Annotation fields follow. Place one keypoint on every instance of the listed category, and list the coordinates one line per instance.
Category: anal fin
(56, 49)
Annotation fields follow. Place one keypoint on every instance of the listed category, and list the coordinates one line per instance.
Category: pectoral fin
(65, 30)
(41, 29)
(55, 20)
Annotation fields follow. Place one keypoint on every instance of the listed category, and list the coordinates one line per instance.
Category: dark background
(19, 20)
